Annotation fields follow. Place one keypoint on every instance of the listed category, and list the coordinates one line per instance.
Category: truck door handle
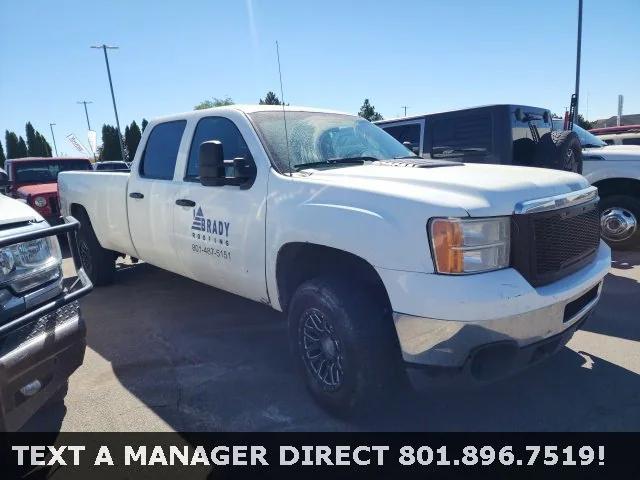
(183, 202)
(136, 195)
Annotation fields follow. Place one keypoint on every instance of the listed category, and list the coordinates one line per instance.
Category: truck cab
(34, 180)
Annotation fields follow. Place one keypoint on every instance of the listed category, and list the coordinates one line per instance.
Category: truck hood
(39, 189)
(481, 190)
(15, 211)
(615, 152)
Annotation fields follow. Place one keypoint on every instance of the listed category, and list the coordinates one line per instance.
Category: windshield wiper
(406, 156)
(337, 161)
(591, 145)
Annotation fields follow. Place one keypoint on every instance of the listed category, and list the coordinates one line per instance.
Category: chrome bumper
(451, 344)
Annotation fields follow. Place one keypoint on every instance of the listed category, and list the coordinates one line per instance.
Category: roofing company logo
(198, 220)
(209, 229)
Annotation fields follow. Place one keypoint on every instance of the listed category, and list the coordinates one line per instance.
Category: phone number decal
(210, 251)
(487, 455)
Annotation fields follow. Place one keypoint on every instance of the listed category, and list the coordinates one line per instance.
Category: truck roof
(38, 159)
(479, 107)
(245, 109)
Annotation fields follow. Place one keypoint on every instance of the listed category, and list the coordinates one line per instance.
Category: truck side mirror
(216, 171)
(211, 163)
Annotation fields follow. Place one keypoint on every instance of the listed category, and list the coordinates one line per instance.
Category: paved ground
(167, 353)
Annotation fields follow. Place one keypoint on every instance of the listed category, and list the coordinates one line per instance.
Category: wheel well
(618, 186)
(298, 262)
(76, 210)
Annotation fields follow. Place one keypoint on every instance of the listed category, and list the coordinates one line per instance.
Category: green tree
(22, 149)
(214, 102)
(368, 111)
(11, 141)
(270, 99)
(2, 157)
(132, 136)
(37, 145)
(144, 124)
(584, 123)
(110, 149)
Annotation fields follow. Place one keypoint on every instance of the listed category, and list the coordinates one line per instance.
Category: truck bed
(104, 197)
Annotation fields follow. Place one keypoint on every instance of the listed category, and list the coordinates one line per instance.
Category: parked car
(111, 165)
(34, 180)
(383, 261)
(42, 333)
(622, 135)
(615, 170)
(501, 134)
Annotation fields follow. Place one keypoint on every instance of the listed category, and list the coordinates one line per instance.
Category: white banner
(93, 142)
(73, 140)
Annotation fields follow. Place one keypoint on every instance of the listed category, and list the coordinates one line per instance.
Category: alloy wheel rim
(321, 349)
(618, 224)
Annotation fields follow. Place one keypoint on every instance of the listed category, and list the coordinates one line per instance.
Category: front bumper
(43, 343)
(446, 322)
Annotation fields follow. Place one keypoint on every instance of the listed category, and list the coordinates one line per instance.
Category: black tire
(523, 152)
(98, 263)
(559, 150)
(359, 332)
(621, 211)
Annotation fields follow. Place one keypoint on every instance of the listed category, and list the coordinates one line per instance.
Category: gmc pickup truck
(384, 262)
(42, 334)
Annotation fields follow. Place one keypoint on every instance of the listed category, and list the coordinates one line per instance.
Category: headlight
(40, 201)
(26, 265)
(462, 246)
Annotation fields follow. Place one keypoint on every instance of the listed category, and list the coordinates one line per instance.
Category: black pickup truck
(42, 334)
(502, 134)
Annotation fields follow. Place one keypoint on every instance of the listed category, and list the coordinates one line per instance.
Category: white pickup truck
(380, 259)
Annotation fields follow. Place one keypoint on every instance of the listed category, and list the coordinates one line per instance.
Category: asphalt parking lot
(167, 353)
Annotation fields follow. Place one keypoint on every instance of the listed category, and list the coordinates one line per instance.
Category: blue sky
(426, 54)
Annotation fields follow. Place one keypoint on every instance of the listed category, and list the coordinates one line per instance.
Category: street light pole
(84, 102)
(577, 92)
(54, 138)
(405, 110)
(113, 97)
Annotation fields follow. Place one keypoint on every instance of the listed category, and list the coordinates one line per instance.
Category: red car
(35, 180)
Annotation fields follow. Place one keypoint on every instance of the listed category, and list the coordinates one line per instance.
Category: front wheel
(344, 343)
(619, 221)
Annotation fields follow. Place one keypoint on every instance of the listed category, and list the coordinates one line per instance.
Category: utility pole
(54, 138)
(113, 97)
(578, 55)
(84, 102)
(405, 110)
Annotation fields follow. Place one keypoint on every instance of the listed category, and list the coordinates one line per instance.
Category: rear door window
(631, 141)
(160, 152)
(462, 135)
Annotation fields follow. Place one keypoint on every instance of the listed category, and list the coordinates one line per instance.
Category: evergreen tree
(22, 149)
(270, 99)
(144, 124)
(33, 147)
(11, 141)
(110, 149)
(368, 111)
(132, 136)
(2, 157)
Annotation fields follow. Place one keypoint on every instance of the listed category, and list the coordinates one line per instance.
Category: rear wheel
(559, 150)
(619, 221)
(98, 263)
(344, 343)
